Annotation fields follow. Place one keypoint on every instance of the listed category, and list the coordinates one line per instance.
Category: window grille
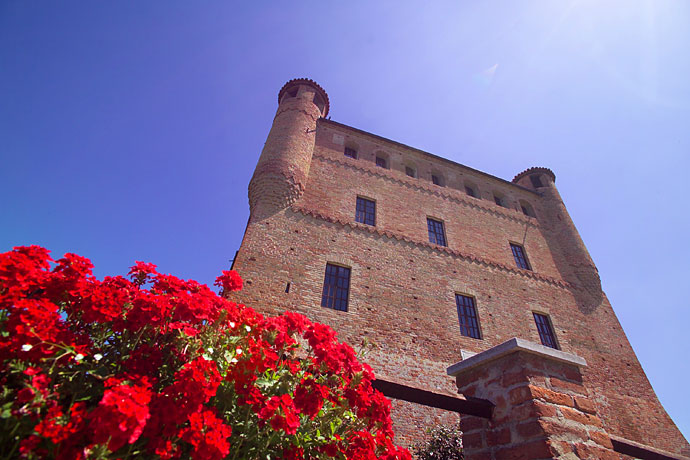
(467, 316)
(366, 211)
(436, 234)
(548, 339)
(519, 256)
(336, 287)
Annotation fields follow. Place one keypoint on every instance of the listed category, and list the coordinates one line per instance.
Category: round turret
(283, 167)
(579, 266)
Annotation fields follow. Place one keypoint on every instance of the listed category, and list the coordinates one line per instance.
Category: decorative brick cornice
(310, 82)
(444, 193)
(471, 258)
(535, 169)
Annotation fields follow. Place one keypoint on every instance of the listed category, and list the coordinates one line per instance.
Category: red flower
(280, 411)
(229, 281)
(309, 397)
(51, 317)
(208, 436)
(141, 272)
(361, 446)
(122, 413)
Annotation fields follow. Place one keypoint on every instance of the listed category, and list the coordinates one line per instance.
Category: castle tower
(435, 262)
(281, 174)
(579, 268)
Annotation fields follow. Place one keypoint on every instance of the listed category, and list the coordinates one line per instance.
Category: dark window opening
(336, 287)
(381, 162)
(436, 234)
(520, 256)
(536, 181)
(292, 92)
(467, 316)
(527, 209)
(350, 152)
(470, 191)
(287, 288)
(548, 339)
(409, 171)
(366, 211)
(436, 179)
(319, 102)
(498, 200)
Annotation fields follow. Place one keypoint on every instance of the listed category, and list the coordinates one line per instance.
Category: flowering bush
(444, 443)
(158, 367)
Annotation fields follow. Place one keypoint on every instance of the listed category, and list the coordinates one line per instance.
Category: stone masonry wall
(542, 411)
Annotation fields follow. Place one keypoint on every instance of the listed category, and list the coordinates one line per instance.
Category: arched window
(438, 179)
(351, 150)
(500, 199)
(382, 160)
(471, 190)
(410, 170)
(527, 209)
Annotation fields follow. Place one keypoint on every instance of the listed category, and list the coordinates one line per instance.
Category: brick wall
(402, 287)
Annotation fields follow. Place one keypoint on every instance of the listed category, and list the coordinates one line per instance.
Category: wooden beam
(637, 450)
(473, 406)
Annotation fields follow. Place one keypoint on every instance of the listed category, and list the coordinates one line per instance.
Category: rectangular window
(435, 179)
(409, 171)
(381, 162)
(336, 287)
(536, 181)
(498, 200)
(548, 339)
(436, 234)
(519, 256)
(470, 191)
(467, 316)
(352, 153)
(366, 211)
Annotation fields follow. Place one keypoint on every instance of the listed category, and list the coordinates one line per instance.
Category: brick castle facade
(440, 266)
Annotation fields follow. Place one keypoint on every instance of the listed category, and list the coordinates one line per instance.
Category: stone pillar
(542, 410)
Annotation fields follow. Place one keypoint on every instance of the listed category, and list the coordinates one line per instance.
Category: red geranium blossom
(159, 367)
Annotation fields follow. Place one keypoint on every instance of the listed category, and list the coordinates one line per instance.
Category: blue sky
(130, 130)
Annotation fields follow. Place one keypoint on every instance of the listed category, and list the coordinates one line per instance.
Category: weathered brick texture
(402, 288)
(542, 410)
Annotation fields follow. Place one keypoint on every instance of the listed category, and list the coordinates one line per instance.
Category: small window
(292, 92)
(366, 211)
(437, 179)
(350, 152)
(471, 191)
(536, 181)
(336, 287)
(467, 316)
(548, 338)
(410, 171)
(436, 233)
(527, 209)
(381, 162)
(319, 102)
(520, 256)
(499, 200)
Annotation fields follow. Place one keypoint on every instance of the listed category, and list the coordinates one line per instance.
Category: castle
(447, 270)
